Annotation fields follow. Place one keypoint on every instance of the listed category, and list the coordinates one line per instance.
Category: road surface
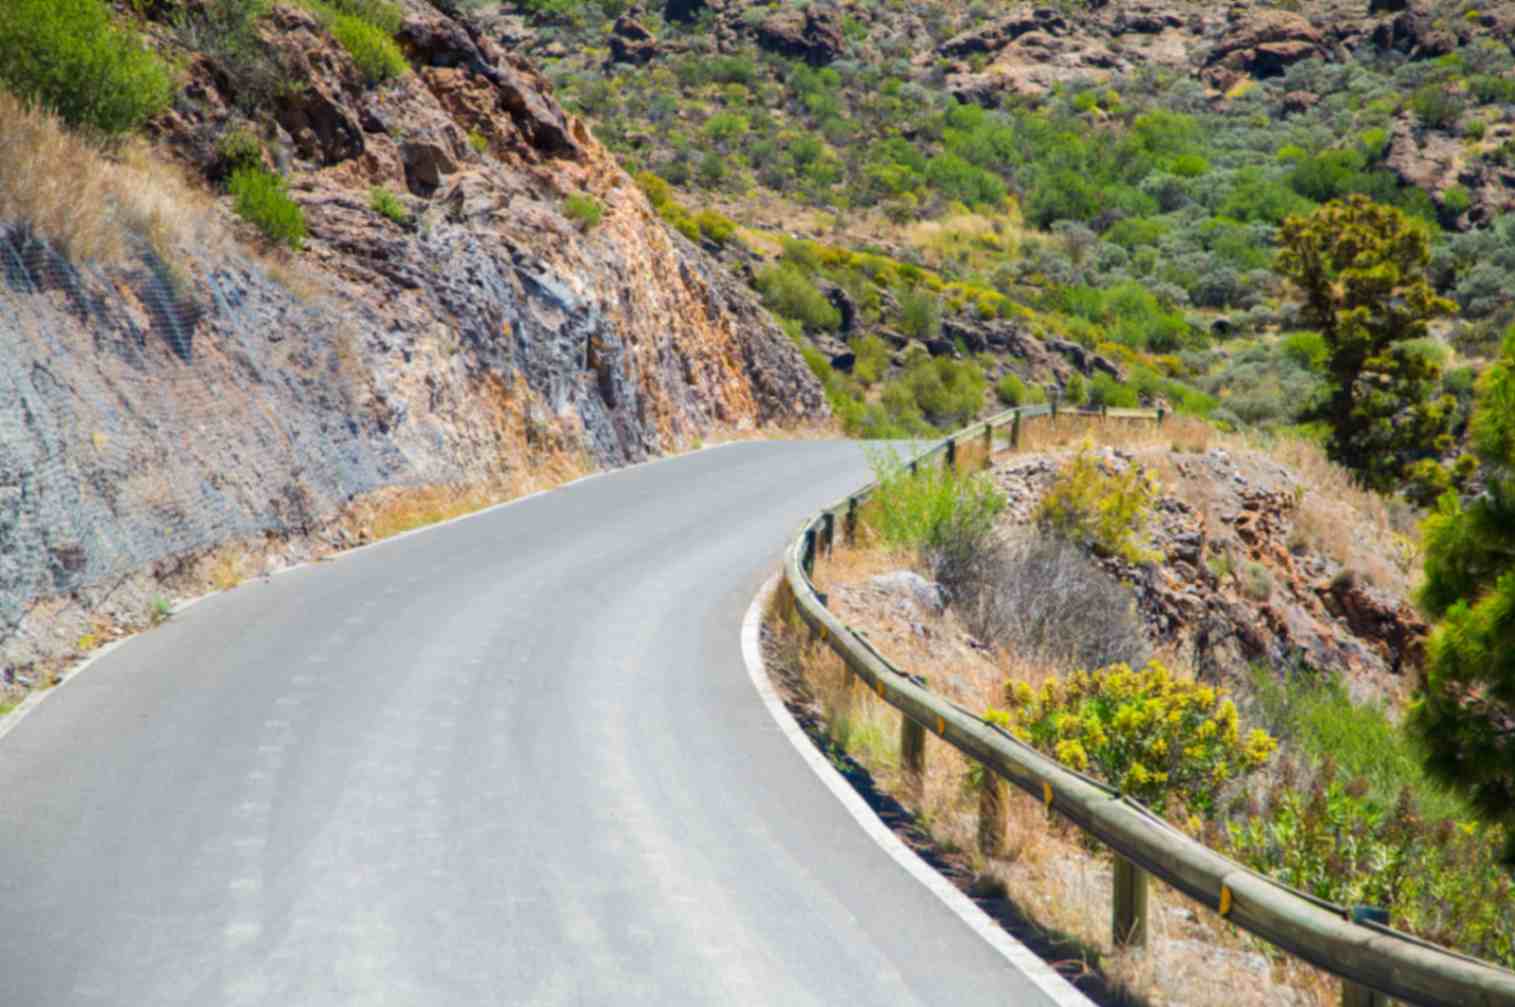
(516, 759)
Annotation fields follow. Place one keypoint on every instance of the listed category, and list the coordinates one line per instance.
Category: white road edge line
(35, 698)
(1057, 989)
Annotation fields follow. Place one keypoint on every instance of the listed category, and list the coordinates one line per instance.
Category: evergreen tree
(1466, 715)
(1362, 269)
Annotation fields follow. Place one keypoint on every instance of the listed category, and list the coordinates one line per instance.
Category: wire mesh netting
(150, 413)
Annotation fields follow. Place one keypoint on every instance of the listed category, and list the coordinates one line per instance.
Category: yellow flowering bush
(1149, 732)
(1107, 511)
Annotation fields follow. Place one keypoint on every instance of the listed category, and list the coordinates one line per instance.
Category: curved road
(512, 760)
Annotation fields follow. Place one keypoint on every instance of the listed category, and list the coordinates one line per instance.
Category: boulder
(1261, 43)
(996, 35)
(631, 42)
(813, 34)
(1413, 32)
(911, 586)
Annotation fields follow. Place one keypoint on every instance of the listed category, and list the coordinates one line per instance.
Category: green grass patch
(1317, 718)
(263, 200)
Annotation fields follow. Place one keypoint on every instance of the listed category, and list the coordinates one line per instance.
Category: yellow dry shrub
(1106, 510)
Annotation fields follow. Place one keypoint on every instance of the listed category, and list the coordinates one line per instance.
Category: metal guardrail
(1369, 957)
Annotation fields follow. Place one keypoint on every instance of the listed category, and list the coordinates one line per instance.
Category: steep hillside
(478, 298)
(1105, 175)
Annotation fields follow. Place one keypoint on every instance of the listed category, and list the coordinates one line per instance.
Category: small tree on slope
(1466, 715)
(1362, 269)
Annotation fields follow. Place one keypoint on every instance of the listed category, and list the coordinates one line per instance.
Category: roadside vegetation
(1289, 775)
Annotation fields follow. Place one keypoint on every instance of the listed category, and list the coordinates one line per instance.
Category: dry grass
(965, 239)
(90, 203)
(1046, 868)
(229, 566)
(386, 513)
(1374, 537)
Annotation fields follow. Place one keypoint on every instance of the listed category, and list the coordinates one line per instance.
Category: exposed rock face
(1235, 586)
(467, 343)
(813, 34)
(1261, 43)
(630, 42)
(1033, 50)
(1057, 357)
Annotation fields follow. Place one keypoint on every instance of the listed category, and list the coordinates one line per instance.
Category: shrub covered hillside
(1084, 198)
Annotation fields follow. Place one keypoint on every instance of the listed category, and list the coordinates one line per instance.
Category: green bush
(226, 33)
(1074, 391)
(583, 209)
(924, 508)
(788, 291)
(718, 227)
(239, 148)
(382, 14)
(946, 392)
(370, 45)
(1330, 835)
(381, 200)
(920, 314)
(659, 193)
(263, 200)
(1012, 391)
(1435, 107)
(69, 56)
(1307, 349)
(1317, 718)
(1154, 735)
(1106, 391)
(871, 358)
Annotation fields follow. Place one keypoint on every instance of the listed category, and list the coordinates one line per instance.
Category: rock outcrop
(1237, 584)
(812, 33)
(631, 42)
(475, 332)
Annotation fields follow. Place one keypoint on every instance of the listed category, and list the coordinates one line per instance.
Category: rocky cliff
(195, 393)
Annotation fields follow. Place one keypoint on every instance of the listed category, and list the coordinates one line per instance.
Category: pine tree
(1362, 269)
(1466, 714)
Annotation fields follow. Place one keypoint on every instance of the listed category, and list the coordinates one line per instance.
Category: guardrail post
(1104, 413)
(1056, 394)
(1161, 414)
(808, 560)
(1015, 432)
(1129, 906)
(1353, 995)
(993, 804)
(849, 527)
(828, 532)
(988, 444)
(913, 750)
(952, 454)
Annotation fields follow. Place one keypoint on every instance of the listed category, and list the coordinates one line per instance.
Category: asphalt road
(512, 760)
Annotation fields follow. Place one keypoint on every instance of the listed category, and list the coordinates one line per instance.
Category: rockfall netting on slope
(148, 414)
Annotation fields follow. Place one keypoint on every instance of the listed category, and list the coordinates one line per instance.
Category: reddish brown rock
(1261, 43)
